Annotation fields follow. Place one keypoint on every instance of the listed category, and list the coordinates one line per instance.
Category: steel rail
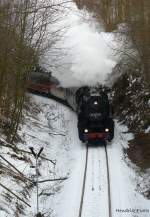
(108, 183)
(84, 181)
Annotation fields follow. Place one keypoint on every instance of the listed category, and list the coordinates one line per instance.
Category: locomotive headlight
(95, 103)
(106, 130)
(86, 131)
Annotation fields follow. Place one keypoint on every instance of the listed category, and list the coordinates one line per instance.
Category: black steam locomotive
(95, 115)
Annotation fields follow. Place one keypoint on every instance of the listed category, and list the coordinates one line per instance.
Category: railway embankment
(132, 107)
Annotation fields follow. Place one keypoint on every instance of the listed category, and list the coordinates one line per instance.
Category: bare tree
(28, 30)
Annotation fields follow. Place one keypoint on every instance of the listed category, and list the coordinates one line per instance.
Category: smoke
(89, 59)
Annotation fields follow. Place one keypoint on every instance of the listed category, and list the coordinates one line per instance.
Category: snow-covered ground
(95, 202)
(126, 201)
(53, 127)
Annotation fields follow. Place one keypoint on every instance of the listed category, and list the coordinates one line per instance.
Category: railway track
(96, 184)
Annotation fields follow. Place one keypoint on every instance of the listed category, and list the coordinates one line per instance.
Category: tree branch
(53, 180)
(14, 194)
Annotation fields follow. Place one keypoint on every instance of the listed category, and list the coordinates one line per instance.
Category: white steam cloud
(90, 59)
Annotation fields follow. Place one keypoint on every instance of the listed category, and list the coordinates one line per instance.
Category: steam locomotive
(95, 115)
(94, 110)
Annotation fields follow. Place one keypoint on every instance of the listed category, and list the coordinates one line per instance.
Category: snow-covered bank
(52, 126)
(126, 200)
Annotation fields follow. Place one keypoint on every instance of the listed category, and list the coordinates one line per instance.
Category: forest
(130, 20)
(135, 14)
(24, 38)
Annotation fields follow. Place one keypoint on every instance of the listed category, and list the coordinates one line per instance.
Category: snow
(48, 128)
(147, 130)
(62, 198)
(95, 201)
(123, 179)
